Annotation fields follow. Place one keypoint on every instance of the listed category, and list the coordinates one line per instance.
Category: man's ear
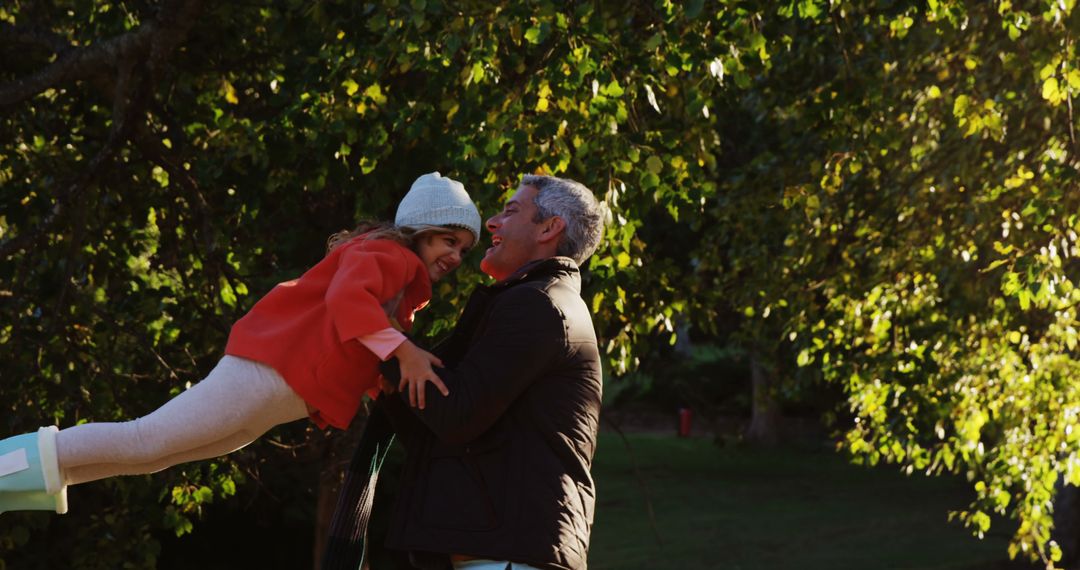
(553, 229)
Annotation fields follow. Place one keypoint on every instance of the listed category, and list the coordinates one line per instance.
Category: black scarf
(347, 540)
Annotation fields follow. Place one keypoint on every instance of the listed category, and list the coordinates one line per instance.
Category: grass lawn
(737, 508)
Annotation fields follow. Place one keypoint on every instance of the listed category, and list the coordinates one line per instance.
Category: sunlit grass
(739, 508)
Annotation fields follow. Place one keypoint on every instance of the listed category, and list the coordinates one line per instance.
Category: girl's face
(442, 253)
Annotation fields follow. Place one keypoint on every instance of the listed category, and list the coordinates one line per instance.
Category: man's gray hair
(578, 208)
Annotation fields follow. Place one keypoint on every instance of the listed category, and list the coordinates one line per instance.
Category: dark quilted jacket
(499, 469)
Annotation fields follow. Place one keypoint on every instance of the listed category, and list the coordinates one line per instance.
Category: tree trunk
(338, 448)
(1067, 524)
(765, 420)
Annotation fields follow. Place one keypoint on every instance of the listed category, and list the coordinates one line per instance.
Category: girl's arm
(366, 277)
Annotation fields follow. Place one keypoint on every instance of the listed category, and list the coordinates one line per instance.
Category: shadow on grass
(787, 508)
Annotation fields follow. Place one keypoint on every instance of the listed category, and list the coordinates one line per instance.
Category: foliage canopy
(885, 191)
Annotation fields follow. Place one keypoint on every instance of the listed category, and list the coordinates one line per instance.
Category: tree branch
(10, 34)
(154, 42)
(128, 99)
(117, 61)
(77, 64)
(171, 28)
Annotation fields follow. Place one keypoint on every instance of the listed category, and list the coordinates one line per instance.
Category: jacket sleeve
(523, 336)
(410, 431)
(366, 275)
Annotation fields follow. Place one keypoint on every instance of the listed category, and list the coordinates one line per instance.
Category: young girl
(309, 348)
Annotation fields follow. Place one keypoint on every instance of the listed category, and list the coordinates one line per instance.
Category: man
(497, 471)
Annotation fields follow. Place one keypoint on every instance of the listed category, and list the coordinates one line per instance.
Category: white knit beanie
(437, 201)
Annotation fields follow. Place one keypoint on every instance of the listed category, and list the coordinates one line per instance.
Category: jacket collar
(543, 268)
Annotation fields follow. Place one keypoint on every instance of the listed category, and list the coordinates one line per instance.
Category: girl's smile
(442, 253)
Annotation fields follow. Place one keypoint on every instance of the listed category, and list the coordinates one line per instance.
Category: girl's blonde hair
(408, 236)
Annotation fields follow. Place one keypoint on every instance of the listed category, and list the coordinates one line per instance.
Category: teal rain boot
(30, 473)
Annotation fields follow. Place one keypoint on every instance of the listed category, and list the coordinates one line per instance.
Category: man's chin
(489, 269)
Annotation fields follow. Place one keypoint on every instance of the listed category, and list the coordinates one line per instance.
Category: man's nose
(490, 224)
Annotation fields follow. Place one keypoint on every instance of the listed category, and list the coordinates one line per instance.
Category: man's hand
(416, 369)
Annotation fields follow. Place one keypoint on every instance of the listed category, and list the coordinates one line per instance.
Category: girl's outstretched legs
(239, 401)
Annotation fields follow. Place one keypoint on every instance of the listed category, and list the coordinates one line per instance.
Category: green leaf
(960, 106)
(613, 89)
(1074, 78)
(375, 93)
(160, 176)
(653, 42)
(204, 495)
(228, 296)
(654, 165)
(1050, 90)
(477, 72)
(229, 92)
(809, 9)
(1025, 299)
(692, 8)
(368, 164)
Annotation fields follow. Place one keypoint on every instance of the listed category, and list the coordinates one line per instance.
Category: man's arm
(523, 336)
(410, 431)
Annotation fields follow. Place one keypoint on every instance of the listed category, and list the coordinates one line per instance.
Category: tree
(878, 195)
(937, 203)
(164, 164)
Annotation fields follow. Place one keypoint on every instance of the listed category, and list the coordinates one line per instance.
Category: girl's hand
(416, 369)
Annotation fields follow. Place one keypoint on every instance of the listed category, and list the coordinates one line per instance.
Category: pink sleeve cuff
(383, 342)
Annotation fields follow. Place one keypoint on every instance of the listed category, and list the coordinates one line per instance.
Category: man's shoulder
(529, 293)
(551, 296)
(553, 289)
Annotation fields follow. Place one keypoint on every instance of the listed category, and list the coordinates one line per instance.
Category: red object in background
(685, 418)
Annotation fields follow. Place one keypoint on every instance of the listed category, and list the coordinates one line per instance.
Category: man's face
(514, 236)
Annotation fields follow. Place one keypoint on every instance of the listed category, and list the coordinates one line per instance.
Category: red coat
(306, 329)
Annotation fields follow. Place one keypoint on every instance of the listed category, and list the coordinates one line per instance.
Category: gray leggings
(234, 405)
